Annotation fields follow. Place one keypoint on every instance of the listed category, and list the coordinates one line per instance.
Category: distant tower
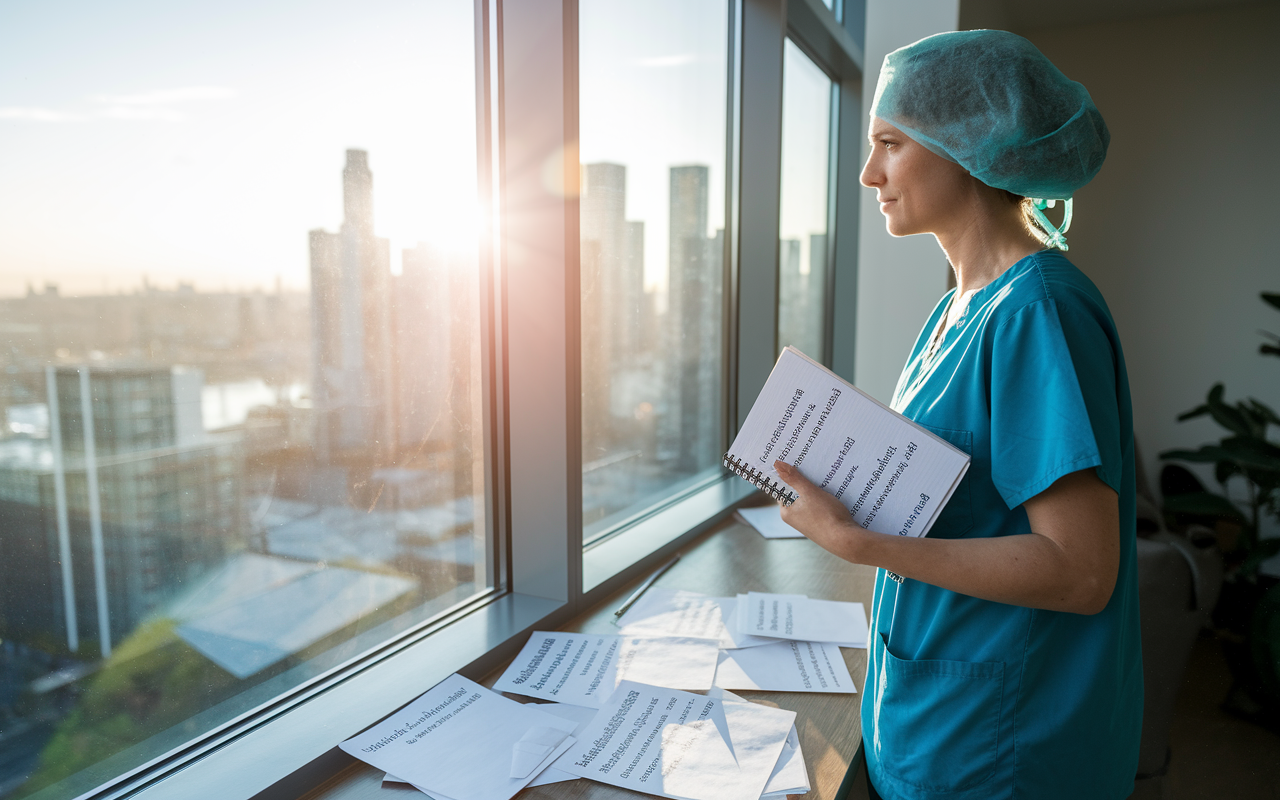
(694, 321)
(351, 327)
(613, 304)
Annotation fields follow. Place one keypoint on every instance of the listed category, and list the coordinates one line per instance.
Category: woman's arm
(1068, 562)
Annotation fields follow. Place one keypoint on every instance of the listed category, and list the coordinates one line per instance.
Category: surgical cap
(992, 103)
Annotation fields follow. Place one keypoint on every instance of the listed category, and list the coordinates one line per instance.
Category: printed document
(584, 668)
(464, 742)
(786, 667)
(677, 612)
(578, 715)
(789, 774)
(892, 475)
(680, 745)
(798, 618)
(674, 612)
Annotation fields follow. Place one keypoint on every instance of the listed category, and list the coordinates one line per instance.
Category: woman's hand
(819, 515)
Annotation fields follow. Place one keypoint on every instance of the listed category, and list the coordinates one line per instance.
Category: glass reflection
(803, 252)
(652, 118)
(239, 363)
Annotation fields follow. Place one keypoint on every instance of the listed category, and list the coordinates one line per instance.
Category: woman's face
(918, 192)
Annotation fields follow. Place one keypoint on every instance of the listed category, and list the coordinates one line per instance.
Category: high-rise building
(352, 375)
(613, 315)
(694, 323)
(436, 356)
(104, 520)
(801, 284)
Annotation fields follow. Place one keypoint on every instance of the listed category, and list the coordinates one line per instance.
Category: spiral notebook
(893, 475)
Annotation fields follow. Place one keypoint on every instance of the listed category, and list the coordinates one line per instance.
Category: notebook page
(893, 475)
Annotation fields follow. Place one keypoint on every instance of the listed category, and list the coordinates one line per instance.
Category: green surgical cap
(992, 103)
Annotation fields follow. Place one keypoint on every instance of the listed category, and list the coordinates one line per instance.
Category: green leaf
(1208, 454)
(1204, 503)
(1252, 453)
(1223, 470)
(1263, 411)
(1267, 350)
(1227, 416)
(1271, 298)
(1198, 411)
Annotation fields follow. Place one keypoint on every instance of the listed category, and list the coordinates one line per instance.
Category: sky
(199, 142)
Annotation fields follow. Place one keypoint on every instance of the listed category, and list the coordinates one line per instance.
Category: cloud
(133, 112)
(668, 61)
(166, 96)
(37, 114)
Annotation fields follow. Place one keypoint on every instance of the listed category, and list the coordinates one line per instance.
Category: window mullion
(539, 273)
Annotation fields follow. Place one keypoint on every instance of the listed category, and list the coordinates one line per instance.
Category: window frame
(526, 68)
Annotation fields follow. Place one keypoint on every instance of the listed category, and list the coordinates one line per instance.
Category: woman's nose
(872, 176)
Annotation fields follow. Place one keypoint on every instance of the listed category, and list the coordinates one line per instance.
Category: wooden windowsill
(729, 559)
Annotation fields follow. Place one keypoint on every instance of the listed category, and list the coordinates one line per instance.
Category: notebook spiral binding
(758, 479)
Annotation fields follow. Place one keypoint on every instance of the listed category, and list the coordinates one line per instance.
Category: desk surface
(730, 559)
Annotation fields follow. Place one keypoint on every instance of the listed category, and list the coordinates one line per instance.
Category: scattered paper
(786, 667)
(798, 618)
(677, 612)
(768, 521)
(736, 638)
(578, 715)
(583, 669)
(673, 612)
(789, 774)
(680, 745)
(447, 742)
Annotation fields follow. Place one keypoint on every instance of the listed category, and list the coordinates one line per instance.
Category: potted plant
(1248, 611)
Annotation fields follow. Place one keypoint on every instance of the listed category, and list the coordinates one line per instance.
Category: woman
(1007, 662)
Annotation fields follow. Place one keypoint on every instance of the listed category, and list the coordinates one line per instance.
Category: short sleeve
(1053, 400)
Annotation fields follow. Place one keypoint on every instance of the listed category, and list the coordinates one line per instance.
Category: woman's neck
(981, 246)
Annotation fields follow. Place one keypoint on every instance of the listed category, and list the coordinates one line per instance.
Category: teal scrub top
(968, 698)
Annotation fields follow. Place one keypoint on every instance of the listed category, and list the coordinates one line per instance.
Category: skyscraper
(694, 323)
(352, 378)
(436, 357)
(613, 314)
(104, 520)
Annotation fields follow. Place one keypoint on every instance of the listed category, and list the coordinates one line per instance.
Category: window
(652, 97)
(240, 362)
(804, 252)
(255, 369)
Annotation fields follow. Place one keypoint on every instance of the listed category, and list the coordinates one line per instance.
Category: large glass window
(652, 93)
(240, 360)
(804, 259)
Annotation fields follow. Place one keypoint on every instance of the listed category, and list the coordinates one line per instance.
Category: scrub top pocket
(956, 518)
(945, 734)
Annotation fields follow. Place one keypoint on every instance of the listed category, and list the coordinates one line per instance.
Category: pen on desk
(645, 586)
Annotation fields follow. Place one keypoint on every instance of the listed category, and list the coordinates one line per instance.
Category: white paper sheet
(789, 775)
(584, 668)
(786, 667)
(578, 715)
(798, 618)
(677, 612)
(673, 744)
(457, 741)
(674, 612)
(768, 521)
